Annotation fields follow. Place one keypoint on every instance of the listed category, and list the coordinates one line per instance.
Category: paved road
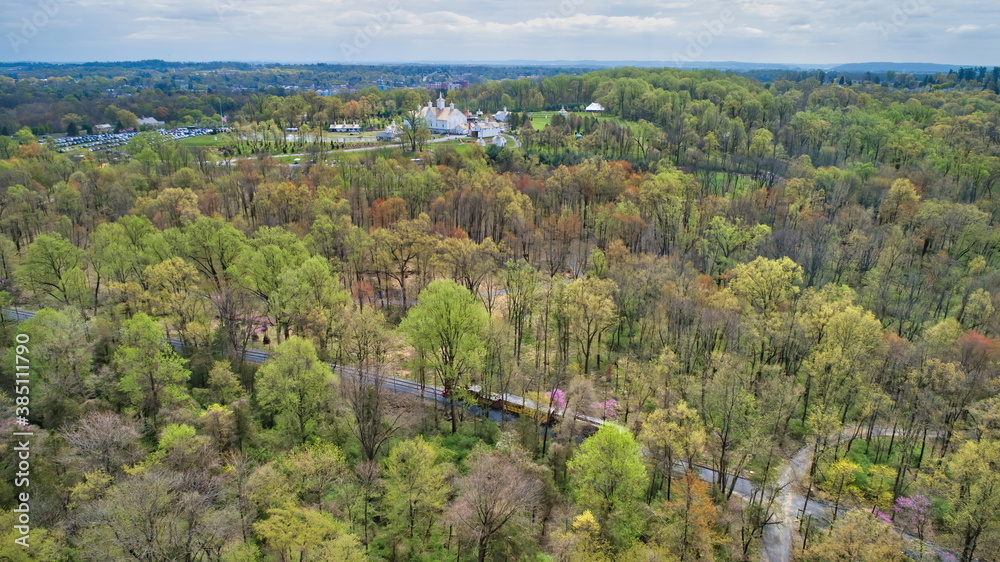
(338, 151)
(777, 541)
(434, 394)
(516, 141)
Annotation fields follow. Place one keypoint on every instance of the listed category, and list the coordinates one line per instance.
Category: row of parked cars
(112, 140)
(93, 142)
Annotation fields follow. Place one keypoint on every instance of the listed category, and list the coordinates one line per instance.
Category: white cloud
(760, 30)
(970, 28)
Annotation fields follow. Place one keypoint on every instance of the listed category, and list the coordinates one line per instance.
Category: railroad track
(427, 392)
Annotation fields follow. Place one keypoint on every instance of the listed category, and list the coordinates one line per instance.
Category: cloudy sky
(781, 31)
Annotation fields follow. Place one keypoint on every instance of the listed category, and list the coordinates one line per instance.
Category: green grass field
(461, 146)
(367, 135)
(209, 141)
(541, 119)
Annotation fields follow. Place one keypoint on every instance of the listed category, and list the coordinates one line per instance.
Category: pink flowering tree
(882, 515)
(557, 397)
(608, 409)
(911, 513)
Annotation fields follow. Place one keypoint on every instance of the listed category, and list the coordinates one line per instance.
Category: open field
(208, 141)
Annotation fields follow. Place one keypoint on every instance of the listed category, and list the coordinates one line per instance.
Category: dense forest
(725, 297)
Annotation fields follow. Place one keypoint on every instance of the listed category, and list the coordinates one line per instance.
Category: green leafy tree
(272, 252)
(298, 533)
(672, 435)
(971, 483)
(172, 293)
(765, 283)
(314, 471)
(152, 374)
(415, 130)
(858, 536)
(224, 386)
(609, 477)
(591, 307)
(314, 301)
(54, 267)
(292, 387)
(62, 351)
(725, 242)
(446, 327)
(416, 485)
(211, 244)
(43, 544)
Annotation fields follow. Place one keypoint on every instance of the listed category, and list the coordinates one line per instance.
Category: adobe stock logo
(566, 8)
(901, 14)
(30, 26)
(704, 38)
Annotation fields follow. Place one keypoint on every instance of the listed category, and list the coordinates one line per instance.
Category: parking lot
(112, 140)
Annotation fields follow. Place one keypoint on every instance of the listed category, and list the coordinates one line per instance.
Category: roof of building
(440, 114)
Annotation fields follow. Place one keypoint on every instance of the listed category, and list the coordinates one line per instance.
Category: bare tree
(368, 341)
(499, 493)
(239, 470)
(369, 477)
(156, 515)
(105, 441)
(373, 425)
(415, 130)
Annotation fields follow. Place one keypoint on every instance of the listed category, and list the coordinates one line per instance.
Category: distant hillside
(716, 65)
(907, 67)
(738, 66)
(742, 66)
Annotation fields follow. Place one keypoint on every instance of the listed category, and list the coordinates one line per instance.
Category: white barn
(151, 121)
(485, 129)
(441, 119)
(390, 133)
(345, 127)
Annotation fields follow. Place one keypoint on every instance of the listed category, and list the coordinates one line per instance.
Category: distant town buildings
(453, 85)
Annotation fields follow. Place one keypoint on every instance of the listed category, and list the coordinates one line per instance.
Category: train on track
(517, 406)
